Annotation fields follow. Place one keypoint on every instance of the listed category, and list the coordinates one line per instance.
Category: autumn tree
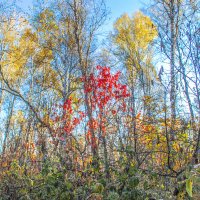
(133, 38)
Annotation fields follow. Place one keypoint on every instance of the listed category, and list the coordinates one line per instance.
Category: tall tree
(166, 15)
(133, 38)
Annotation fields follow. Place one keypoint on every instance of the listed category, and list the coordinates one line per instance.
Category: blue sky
(117, 7)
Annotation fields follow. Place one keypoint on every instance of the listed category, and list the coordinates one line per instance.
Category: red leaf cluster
(104, 87)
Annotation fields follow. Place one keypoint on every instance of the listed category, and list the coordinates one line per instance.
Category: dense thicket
(85, 120)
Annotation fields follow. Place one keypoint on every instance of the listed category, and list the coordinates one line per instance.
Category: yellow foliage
(19, 50)
(133, 37)
(144, 30)
(136, 32)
